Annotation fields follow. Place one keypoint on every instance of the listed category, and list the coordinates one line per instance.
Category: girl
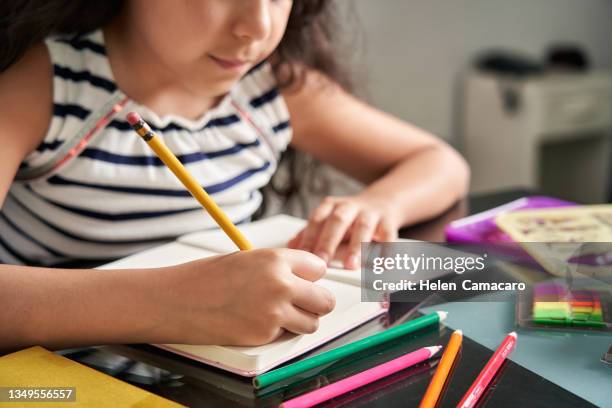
(228, 85)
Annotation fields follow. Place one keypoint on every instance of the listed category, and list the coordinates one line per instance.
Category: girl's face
(207, 44)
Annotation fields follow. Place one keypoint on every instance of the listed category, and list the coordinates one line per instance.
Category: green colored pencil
(329, 356)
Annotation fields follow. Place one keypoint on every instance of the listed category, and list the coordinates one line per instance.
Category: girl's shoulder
(27, 89)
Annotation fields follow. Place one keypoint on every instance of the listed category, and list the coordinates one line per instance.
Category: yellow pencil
(432, 395)
(196, 190)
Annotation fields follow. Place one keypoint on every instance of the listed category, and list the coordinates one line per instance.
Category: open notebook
(272, 232)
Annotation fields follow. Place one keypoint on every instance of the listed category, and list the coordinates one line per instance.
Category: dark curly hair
(308, 41)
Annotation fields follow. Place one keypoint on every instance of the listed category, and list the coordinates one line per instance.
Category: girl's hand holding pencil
(243, 298)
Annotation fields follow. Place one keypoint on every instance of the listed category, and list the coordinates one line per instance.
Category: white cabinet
(550, 133)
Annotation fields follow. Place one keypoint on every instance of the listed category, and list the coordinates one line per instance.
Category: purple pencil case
(481, 228)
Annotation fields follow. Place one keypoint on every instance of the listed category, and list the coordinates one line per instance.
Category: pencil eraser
(133, 118)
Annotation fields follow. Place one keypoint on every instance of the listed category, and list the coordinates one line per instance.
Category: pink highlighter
(470, 399)
(359, 380)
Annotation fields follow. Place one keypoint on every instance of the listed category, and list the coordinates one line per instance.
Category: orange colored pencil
(432, 395)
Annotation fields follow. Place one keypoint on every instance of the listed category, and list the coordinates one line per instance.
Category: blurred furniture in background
(549, 132)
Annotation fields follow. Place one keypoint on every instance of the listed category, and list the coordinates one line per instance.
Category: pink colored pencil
(488, 372)
(361, 379)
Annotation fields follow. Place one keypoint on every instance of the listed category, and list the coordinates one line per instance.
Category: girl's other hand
(339, 225)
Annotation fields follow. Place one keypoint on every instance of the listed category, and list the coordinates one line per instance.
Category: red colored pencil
(488, 372)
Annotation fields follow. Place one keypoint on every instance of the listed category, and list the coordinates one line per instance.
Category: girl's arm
(246, 298)
(411, 175)
(26, 95)
(217, 300)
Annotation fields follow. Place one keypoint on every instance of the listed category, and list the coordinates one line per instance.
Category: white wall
(414, 50)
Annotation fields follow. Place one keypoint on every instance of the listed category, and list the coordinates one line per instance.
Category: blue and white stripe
(116, 197)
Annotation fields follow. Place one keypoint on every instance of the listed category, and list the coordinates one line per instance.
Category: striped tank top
(93, 189)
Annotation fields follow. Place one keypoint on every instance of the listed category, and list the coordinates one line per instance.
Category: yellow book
(39, 368)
